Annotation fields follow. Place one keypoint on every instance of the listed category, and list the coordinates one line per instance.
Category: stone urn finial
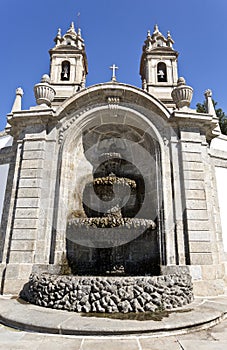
(44, 92)
(182, 94)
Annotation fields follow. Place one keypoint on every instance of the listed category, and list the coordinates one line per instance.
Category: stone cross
(114, 67)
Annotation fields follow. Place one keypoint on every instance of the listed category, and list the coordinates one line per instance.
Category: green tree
(201, 108)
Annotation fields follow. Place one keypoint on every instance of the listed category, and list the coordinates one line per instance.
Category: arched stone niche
(139, 139)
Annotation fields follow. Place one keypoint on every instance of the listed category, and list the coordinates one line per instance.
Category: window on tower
(161, 72)
(65, 70)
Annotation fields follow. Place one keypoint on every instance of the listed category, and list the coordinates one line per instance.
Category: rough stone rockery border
(109, 294)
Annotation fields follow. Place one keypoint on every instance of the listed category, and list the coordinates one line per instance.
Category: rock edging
(109, 294)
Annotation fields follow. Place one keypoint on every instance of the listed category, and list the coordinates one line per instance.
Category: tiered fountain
(112, 251)
(109, 231)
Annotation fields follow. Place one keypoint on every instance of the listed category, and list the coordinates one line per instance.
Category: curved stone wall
(109, 294)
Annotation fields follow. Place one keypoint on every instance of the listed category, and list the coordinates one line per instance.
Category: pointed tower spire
(211, 110)
(71, 29)
(58, 37)
(156, 30)
(68, 63)
(158, 67)
(18, 99)
(209, 102)
(170, 41)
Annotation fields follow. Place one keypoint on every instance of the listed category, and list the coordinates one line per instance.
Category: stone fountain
(112, 253)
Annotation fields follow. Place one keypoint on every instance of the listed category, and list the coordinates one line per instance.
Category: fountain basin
(102, 232)
(109, 294)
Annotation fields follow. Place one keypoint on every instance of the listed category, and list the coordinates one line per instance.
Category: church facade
(176, 156)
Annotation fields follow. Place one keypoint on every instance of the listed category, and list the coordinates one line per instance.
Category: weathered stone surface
(27, 213)
(193, 175)
(105, 294)
(196, 204)
(25, 223)
(201, 236)
(24, 234)
(195, 166)
(28, 202)
(201, 258)
(191, 157)
(197, 214)
(195, 194)
(198, 247)
(29, 192)
(200, 225)
(29, 182)
(21, 245)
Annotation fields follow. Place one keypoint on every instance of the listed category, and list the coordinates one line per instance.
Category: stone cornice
(218, 154)
(189, 117)
(35, 116)
(32, 116)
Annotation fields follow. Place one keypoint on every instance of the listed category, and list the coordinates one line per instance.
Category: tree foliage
(201, 108)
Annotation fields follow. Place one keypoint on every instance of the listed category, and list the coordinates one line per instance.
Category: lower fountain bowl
(109, 294)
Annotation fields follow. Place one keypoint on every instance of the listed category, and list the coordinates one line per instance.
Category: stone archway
(137, 150)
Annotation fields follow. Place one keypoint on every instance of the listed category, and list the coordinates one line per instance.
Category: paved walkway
(201, 326)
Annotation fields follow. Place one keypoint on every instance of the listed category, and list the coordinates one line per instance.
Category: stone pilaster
(196, 212)
(199, 205)
(22, 235)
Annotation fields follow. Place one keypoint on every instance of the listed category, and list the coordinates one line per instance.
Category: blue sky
(114, 32)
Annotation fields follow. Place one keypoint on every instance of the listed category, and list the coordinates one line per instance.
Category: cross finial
(114, 67)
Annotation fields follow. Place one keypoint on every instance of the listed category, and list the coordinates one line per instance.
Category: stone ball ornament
(182, 94)
(44, 92)
(45, 79)
(19, 91)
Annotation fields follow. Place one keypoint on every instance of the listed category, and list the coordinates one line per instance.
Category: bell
(161, 74)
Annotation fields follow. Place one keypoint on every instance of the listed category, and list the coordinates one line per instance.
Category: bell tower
(68, 64)
(158, 66)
